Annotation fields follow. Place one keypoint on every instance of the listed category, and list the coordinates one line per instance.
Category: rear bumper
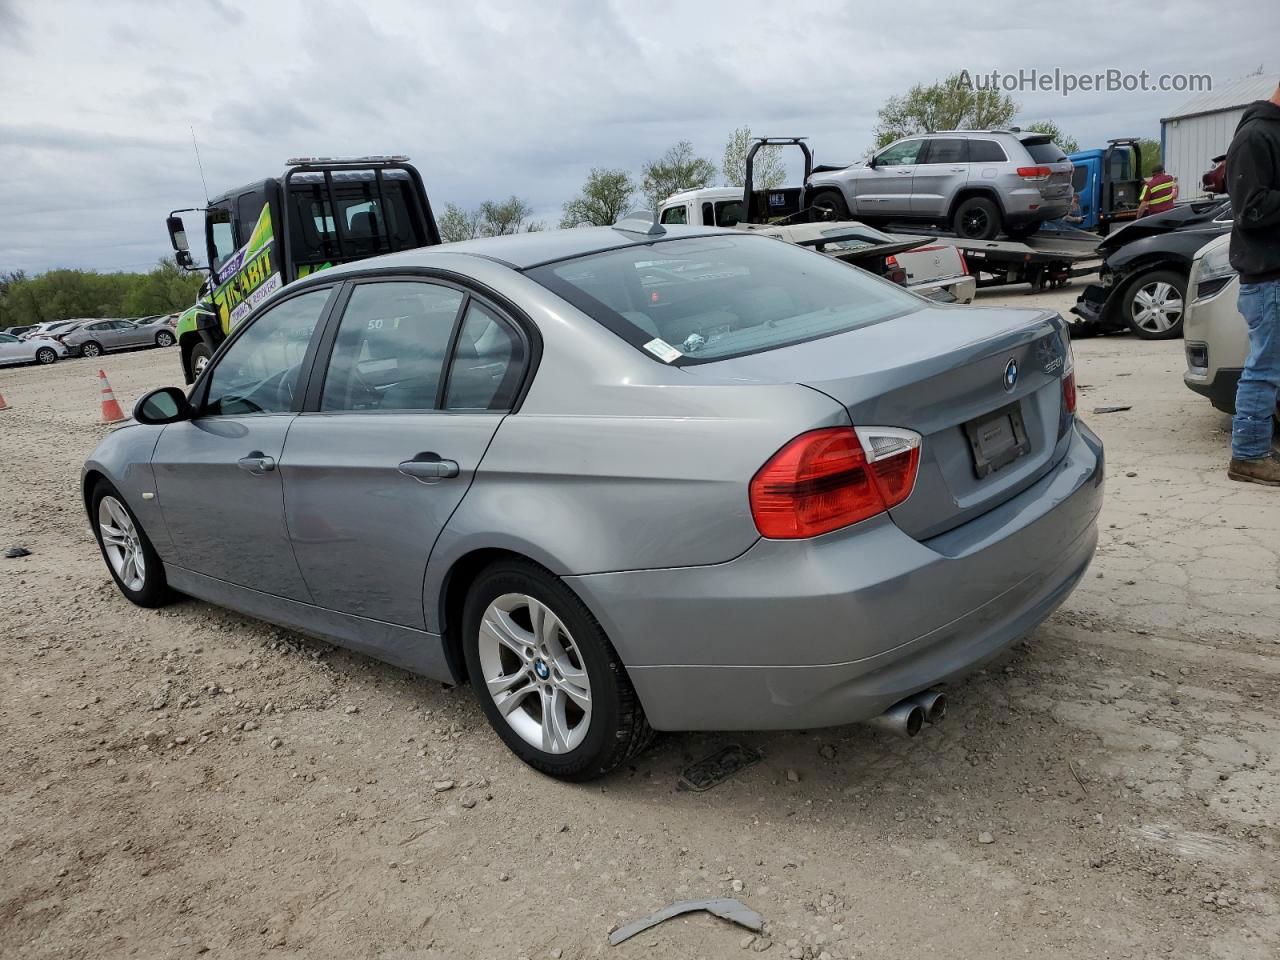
(796, 634)
(950, 290)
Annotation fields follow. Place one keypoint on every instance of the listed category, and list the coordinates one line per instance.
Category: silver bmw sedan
(621, 479)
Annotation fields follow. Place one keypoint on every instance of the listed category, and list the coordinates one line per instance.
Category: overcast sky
(495, 98)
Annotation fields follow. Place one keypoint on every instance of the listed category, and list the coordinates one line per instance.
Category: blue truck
(1109, 182)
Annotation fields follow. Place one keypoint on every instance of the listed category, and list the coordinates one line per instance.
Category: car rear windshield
(698, 299)
(1045, 152)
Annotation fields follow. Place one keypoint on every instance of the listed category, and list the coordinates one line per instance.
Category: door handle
(257, 463)
(957, 169)
(428, 467)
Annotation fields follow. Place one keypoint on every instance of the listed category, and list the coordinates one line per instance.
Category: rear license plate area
(997, 439)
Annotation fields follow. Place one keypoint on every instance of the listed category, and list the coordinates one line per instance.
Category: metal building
(1201, 129)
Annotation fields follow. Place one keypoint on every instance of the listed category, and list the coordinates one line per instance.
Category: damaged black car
(1144, 272)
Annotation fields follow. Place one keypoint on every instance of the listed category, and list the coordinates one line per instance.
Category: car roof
(524, 250)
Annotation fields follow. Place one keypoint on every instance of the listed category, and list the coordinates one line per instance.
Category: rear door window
(391, 347)
(946, 150)
(488, 362)
(986, 151)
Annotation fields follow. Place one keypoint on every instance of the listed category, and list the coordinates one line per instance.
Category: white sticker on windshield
(663, 350)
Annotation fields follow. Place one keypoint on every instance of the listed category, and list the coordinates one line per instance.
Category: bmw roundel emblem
(1011, 374)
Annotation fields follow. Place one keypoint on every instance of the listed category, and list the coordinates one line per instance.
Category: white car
(1215, 335)
(36, 350)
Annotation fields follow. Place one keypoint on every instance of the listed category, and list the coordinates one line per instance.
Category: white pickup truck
(929, 266)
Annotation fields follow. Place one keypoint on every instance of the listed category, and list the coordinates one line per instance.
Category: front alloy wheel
(121, 543)
(534, 673)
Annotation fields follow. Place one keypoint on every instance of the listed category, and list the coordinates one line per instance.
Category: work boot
(1264, 470)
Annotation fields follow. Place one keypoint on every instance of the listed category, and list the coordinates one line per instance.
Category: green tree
(458, 224)
(1150, 155)
(493, 218)
(768, 170)
(677, 169)
(605, 197)
(67, 294)
(950, 104)
(1068, 144)
(502, 217)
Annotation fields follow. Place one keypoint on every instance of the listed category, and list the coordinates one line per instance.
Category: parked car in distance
(933, 268)
(102, 336)
(38, 350)
(491, 461)
(979, 183)
(19, 330)
(52, 328)
(1144, 272)
(1216, 337)
(160, 327)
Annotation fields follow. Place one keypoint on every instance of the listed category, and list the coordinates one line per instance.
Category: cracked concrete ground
(190, 782)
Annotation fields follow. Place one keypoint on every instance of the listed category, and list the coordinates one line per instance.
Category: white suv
(1215, 335)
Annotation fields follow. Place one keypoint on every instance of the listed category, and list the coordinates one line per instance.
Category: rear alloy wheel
(164, 339)
(91, 349)
(134, 564)
(546, 676)
(977, 219)
(829, 205)
(46, 355)
(1154, 304)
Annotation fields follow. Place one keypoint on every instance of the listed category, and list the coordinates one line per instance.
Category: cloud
(494, 98)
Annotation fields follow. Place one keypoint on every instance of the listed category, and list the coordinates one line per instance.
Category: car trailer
(1046, 259)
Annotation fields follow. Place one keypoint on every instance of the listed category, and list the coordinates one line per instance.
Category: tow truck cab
(1108, 181)
(261, 236)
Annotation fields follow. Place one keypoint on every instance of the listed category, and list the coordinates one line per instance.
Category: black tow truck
(320, 212)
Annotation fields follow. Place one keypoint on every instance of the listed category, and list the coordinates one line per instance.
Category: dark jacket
(1253, 180)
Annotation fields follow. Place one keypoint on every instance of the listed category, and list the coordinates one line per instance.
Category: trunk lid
(935, 371)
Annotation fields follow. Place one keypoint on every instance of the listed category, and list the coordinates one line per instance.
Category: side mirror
(872, 162)
(178, 235)
(166, 405)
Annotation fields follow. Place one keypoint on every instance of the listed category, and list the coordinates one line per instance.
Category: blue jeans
(1252, 425)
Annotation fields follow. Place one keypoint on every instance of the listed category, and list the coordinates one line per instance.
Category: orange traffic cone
(3, 405)
(111, 412)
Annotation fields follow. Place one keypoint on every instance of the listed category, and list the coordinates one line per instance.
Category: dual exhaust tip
(906, 717)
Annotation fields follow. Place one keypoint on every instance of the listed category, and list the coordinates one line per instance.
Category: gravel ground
(189, 781)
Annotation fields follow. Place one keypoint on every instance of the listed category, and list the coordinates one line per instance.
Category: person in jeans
(1253, 180)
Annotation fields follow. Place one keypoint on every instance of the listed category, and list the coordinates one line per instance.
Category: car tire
(1020, 232)
(200, 357)
(1154, 304)
(120, 536)
(531, 684)
(164, 339)
(91, 348)
(46, 355)
(977, 219)
(829, 205)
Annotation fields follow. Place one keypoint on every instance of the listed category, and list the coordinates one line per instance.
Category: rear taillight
(964, 264)
(827, 479)
(893, 270)
(1034, 173)
(1069, 380)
